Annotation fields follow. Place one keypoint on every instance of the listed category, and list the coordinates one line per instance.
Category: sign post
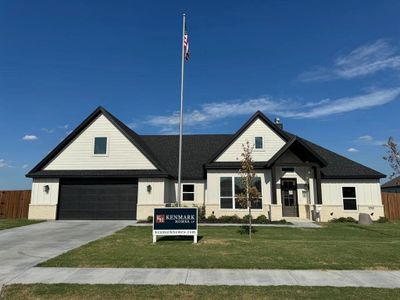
(175, 221)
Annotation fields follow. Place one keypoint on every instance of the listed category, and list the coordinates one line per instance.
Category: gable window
(230, 189)
(187, 192)
(349, 198)
(258, 142)
(100, 146)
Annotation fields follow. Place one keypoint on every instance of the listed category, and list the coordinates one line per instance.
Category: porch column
(317, 172)
(273, 184)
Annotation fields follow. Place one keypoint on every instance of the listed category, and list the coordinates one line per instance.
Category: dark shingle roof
(196, 150)
(198, 153)
(395, 182)
(341, 167)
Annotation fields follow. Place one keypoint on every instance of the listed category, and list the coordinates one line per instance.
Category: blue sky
(329, 70)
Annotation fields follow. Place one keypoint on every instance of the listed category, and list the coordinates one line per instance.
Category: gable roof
(257, 115)
(133, 137)
(395, 182)
(199, 153)
(306, 152)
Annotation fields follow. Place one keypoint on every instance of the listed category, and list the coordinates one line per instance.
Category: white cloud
(369, 140)
(30, 137)
(216, 111)
(24, 166)
(48, 130)
(364, 60)
(66, 126)
(3, 163)
(366, 138)
(354, 150)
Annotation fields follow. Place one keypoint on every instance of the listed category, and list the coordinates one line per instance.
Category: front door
(289, 198)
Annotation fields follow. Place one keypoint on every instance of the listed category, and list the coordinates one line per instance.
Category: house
(392, 186)
(104, 170)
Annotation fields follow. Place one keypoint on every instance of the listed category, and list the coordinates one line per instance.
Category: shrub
(262, 219)
(246, 219)
(383, 220)
(245, 229)
(212, 219)
(150, 219)
(344, 220)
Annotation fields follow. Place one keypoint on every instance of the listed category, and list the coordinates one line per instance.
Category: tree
(250, 194)
(392, 156)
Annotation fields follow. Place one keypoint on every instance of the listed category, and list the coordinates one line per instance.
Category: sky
(329, 69)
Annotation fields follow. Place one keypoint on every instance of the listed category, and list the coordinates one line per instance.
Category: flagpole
(181, 115)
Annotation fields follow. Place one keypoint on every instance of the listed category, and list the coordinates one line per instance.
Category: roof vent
(278, 123)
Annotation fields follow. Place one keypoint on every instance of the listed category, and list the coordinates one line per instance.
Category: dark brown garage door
(98, 199)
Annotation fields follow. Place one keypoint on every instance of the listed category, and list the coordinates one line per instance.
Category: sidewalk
(334, 278)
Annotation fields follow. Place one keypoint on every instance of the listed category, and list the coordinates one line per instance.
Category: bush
(245, 229)
(150, 219)
(246, 219)
(262, 219)
(343, 220)
(212, 219)
(229, 219)
(383, 220)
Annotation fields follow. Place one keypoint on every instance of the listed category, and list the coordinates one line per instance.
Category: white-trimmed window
(258, 143)
(100, 146)
(349, 198)
(231, 187)
(188, 192)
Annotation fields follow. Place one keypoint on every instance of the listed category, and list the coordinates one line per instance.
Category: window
(100, 146)
(226, 197)
(232, 187)
(258, 142)
(188, 192)
(349, 198)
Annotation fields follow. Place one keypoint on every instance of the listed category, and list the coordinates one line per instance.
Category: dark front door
(98, 199)
(289, 198)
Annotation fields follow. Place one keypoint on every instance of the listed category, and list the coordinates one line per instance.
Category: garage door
(98, 199)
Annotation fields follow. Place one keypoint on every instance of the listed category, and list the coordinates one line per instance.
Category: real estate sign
(175, 221)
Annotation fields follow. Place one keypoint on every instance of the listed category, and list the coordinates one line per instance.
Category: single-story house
(104, 170)
(392, 186)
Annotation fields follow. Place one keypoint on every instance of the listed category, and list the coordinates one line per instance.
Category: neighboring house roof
(395, 182)
(199, 153)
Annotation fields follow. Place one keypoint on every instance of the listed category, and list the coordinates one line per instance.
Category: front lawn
(335, 246)
(11, 223)
(74, 291)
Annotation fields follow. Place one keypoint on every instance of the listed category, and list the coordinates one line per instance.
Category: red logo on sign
(160, 218)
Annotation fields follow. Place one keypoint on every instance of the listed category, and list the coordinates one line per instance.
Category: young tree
(392, 156)
(250, 194)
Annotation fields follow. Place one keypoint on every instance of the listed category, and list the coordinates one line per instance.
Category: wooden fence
(391, 203)
(14, 204)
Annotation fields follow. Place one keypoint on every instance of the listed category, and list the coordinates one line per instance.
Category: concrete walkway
(354, 278)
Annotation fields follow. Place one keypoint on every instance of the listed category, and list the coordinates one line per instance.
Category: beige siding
(78, 155)
(272, 143)
(44, 204)
(39, 196)
(368, 195)
(199, 192)
(368, 192)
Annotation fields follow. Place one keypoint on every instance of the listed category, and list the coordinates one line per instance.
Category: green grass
(73, 291)
(336, 246)
(11, 223)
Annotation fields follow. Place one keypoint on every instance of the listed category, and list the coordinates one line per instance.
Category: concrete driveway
(24, 247)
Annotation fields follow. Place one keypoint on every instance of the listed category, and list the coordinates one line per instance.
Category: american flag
(186, 44)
